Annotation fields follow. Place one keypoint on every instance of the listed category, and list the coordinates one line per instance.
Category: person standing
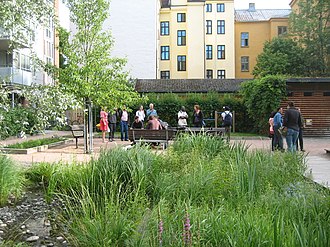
(292, 120)
(271, 128)
(198, 116)
(227, 121)
(103, 122)
(301, 134)
(140, 113)
(151, 111)
(278, 122)
(124, 120)
(112, 119)
(182, 118)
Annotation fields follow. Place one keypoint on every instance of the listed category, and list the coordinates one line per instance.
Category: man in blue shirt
(278, 122)
(151, 111)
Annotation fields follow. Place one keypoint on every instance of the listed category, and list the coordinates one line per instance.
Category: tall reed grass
(227, 195)
(11, 180)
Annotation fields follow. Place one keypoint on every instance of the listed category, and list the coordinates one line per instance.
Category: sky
(263, 4)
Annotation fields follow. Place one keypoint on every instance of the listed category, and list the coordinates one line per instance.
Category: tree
(261, 97)
(281, 56)
(90, 73)
(310, 25)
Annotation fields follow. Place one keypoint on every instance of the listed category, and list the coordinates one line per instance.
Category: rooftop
(246, 15)
(188, 85)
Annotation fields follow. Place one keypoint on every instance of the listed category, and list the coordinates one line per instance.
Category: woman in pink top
(103, 122)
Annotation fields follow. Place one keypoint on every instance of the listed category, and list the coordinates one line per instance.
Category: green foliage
(11, 180)
(261, 97)
(90, 72)
(310, 25)
(232, 196)
(281, 56)
(168, 106)
(35, 143)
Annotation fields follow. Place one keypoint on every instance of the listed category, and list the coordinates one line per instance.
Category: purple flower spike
(160, 232)
(186, 231)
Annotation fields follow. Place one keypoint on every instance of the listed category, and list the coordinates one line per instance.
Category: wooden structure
(312, 96)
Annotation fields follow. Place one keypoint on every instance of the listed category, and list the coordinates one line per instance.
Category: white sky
(263, 4)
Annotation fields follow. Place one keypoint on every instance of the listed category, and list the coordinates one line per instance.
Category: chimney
(252, 7)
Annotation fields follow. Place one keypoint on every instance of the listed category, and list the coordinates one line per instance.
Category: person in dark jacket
(198, 116)
(137, 123)
(112, 119)
(292, 120)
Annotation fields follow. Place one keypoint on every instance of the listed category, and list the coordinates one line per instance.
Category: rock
(59, 238)
(32, 239)
(23, 226)
(1, 232)
(47, 223)
(3, 225)
(50, 244)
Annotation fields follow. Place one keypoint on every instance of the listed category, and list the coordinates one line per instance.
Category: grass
(11, 180)
(202, 191)
(36, 143)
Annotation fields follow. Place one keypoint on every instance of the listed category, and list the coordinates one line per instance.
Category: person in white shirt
(124, 120)
(182, 117)
(140, 113)
(227, 121)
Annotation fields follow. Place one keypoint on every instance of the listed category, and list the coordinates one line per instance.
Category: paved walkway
(318, 161)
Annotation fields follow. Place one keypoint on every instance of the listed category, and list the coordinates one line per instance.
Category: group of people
(290, 125)
(108, 120)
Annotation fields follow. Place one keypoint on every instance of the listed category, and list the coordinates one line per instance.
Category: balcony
(6, 38)
(12, 75)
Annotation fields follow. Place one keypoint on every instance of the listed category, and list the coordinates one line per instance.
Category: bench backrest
(77, 130)
(145, 134)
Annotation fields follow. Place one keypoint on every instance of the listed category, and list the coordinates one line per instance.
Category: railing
(15, 76)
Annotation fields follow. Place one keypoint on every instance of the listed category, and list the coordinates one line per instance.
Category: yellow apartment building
(253, 27)
(196, 39)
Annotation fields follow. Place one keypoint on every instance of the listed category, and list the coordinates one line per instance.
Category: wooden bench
(151, 136)
(77, 132)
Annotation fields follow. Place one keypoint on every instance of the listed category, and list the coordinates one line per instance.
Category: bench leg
(76, 142)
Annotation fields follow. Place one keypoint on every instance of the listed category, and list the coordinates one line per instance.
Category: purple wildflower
(160, 232)
(186, 231)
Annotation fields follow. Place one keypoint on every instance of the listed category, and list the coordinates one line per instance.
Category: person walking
(151, 111)
(292, 121)
(227, 121)
(278, 122)
(112, 119)
(198, 117)
(182, 118)
(301, 134)
(103, 122)
(140, 113)
(124, 120)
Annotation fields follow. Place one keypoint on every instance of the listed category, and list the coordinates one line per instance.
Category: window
(221, 52)
(164, 28)
(181, 17)
(221, 27)
(165, 52)
(181, 63)
(181, 37)
(308, 94)
(289, 94)
(165, 74)
(221, 74)
(244, 63)
(244, 39)
(282, 30)
(6, 59)
(326, 93)
(208, 7)
(220, 7)
(209, 74)
(208, 27)
(208, 52)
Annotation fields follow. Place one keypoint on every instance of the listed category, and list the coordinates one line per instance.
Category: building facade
(19, 66)
(196, 39)
(253, 28)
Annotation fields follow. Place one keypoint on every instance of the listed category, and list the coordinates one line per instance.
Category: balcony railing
(13, 75)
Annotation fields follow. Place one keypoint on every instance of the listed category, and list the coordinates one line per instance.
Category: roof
(245, 15)
(188, 85)
(309, 80)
